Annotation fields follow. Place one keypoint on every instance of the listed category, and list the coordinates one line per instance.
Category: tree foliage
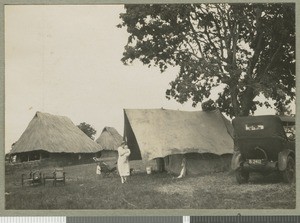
(244, 50)
(87, 129)
(208, 105)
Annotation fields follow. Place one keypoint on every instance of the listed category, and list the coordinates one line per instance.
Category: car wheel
(289, 172)
(242, 176)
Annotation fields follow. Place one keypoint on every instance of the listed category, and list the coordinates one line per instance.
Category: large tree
(87, 129)
(245, 50)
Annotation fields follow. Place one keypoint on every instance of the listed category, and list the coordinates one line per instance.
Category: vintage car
(264, 144)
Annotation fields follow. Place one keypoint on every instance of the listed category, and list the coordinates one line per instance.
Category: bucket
(148, 170)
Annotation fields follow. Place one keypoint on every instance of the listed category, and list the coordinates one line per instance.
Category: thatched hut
(109, 140)
(52, 136)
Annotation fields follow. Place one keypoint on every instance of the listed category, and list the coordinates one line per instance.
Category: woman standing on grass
(123, 163)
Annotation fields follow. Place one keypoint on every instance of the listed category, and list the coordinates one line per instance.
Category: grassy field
(83, 190)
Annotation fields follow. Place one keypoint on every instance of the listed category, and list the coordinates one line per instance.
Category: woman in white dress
(123, 163)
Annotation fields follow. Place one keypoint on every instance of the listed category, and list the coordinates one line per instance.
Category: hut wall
(72, 158)
(109, 154)
(31, 156)
(60, 159)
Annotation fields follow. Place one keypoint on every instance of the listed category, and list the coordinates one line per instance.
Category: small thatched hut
(52, 136)
(109, 140)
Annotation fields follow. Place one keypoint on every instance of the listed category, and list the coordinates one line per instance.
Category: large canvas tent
(53, 136)
(109, 140)
(203, 138)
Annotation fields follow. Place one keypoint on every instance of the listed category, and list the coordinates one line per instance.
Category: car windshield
(258, 127)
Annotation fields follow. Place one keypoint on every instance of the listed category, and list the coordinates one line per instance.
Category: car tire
(289, 173)
(242, 176)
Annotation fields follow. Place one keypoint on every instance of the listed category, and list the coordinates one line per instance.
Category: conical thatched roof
(109, 139)
(153, 133)
(55, 134)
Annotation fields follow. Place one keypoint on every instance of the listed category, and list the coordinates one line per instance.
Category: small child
(98, 170)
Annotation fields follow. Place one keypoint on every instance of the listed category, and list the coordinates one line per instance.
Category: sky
(66, 60)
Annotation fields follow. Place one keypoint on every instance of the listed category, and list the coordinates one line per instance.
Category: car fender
(236, 160)
(282, 158)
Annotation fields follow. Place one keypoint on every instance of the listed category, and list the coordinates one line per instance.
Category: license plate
(255, 161)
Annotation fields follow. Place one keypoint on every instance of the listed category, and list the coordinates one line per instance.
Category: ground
(84, 190)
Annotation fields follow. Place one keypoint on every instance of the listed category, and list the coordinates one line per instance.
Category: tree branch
(274, 56)
(220, 36)
(234, 42)
(215, 48)
(195, 36)
(221, 12)
(258, 48)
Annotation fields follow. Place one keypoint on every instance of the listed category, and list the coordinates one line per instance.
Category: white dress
(123, 163)
(98, 170)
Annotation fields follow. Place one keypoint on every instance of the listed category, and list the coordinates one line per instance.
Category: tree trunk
(242, 106)
(234, 100)
(247, 101)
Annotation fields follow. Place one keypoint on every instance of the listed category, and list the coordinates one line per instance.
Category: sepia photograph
(150, 106)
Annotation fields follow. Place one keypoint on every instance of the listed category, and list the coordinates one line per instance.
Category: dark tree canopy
(208, 105)
(87, 129)
(246, 50)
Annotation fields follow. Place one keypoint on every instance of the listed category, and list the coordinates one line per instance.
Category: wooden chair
(48, 176)
(58, 175)
(33, 178)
